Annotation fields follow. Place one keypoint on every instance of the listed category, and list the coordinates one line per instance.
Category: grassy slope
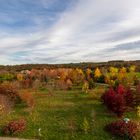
(53, 113)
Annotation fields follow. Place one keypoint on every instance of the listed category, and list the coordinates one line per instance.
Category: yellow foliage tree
(77, 76)
(107, 79)
(132, 75)
(122, 74)
(132, 68)
(113, 71)
(85, 87)
(138, 111)
(97, 73)
(19, 77)
(88, 72)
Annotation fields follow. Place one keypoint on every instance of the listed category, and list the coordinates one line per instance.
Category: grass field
(60, 117)
(138, 74)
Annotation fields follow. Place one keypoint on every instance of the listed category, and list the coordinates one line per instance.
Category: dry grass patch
(60, 104)
(5, 104)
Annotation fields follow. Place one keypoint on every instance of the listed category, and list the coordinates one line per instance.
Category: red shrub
(123, 129)
(127, 93)
(129, 99)
(120, 89)
(27, 83)
(137, 96)
(14, 127)
(114, 102)
(118, 105)
(9, 91)
(117, 100)
(108, 95)
(28, 98)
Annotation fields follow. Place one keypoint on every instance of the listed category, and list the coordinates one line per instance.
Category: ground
(60, 116)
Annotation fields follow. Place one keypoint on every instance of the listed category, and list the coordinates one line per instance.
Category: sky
(69, 31)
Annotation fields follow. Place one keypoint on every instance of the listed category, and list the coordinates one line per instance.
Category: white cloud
(90, 27)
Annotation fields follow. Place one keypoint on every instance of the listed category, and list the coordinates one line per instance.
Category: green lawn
(54, 114)
(138, 74)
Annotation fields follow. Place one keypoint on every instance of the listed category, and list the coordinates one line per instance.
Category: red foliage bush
(27, 83)
(108, 96)
(14, 127)
(121, 128)
(114, 102)
(117, 100)
(28, 98)
(9, 91)
(120, 89)
(129, 97)
(137, 96)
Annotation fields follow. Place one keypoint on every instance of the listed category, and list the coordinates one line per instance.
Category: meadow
(71, 110)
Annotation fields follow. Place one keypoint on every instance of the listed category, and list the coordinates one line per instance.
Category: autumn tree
(131, 75)
(85, 87)
(97, 73)
(77, 76)
(88, 73)
(98, 76)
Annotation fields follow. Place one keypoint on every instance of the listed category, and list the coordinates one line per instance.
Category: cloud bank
(60, 31)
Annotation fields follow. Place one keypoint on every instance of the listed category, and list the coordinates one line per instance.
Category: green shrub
(85, 125)
(7, 77)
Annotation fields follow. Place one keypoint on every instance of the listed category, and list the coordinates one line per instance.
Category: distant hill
(83, 65)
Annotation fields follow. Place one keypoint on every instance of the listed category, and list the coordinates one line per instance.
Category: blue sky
(65, 31)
